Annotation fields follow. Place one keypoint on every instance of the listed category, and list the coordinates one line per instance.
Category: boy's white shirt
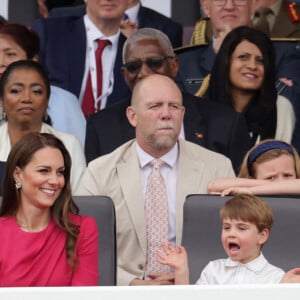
(227, 271)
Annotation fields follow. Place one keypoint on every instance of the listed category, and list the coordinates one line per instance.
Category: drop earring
(18, 185)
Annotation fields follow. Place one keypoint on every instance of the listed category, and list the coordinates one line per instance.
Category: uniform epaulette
(285, 39)
(293, 9)
(186, 48)
(199, 33)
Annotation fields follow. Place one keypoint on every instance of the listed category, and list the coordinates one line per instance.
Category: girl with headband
(270, 167)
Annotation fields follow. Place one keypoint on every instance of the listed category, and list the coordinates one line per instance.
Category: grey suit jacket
(117, 175)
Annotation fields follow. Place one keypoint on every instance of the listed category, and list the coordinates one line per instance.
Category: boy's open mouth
(234, 247)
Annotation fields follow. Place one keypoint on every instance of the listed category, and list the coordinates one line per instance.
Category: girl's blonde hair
(266, 151)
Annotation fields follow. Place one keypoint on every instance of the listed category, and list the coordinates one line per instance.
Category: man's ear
(263, 236)
(174, 64)
(131, 115)
(205, 7)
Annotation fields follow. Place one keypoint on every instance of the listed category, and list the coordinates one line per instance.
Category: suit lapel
(129, 175)
(141, 17)
(189, 173)
(207, 58)
(76, 44)
(194, 123)
(120, 89)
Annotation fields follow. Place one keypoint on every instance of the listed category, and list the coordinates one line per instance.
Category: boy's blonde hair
(248, 208)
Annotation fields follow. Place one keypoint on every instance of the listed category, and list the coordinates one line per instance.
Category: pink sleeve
(87, 253)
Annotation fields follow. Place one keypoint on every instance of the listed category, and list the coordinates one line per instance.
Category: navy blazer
(196, 62)
(63, 52)
(206, 123)
(147, 17)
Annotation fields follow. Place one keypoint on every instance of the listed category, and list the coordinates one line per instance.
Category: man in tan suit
(156, 113)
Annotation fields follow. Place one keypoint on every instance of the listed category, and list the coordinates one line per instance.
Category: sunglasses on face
(153, 63)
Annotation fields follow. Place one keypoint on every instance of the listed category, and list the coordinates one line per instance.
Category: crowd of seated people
(101, 84)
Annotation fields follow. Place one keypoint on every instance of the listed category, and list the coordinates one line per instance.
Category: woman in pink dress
(44, 242)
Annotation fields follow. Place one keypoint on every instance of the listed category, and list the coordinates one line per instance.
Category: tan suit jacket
(117, 175)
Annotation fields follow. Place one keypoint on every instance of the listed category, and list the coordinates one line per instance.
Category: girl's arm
(291, 186)
(217, 186)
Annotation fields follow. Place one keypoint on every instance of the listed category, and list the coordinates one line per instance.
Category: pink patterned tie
(157, 217)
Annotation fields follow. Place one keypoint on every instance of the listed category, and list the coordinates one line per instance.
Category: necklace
(28, 228)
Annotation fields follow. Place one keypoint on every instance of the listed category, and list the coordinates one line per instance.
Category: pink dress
(39, 258)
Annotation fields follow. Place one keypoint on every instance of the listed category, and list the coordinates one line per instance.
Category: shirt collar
(169, 158)
(256, 265)
(276, 7)
(132, 12)
(93, 33)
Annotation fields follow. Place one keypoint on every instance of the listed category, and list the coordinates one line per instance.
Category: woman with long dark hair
(44, 242)
(243, 76)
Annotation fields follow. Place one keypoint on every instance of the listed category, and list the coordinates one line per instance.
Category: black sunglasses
(154, 63)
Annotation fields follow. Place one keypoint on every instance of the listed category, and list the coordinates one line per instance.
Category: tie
(157, 217)
(88, 102)
(262, 19)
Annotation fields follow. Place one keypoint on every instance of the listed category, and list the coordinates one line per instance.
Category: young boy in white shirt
(247, 221)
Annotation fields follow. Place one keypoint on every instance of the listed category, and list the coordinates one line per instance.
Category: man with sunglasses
(149, 51)
(196, 61)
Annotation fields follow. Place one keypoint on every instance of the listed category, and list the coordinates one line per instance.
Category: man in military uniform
(195, 62)
(282, 17)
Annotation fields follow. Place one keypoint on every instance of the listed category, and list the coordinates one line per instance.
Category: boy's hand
(292, 276)
(173, 257)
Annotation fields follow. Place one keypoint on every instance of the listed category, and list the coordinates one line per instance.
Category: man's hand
(156, 279)
(43, 9)
(128, 27)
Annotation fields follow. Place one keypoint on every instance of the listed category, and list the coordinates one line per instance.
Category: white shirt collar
(93, 32)
(169, 158)
(256, 265)
(132, 12)
(276, 7)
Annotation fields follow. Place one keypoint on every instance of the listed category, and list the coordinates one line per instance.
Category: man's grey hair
(149, 34)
